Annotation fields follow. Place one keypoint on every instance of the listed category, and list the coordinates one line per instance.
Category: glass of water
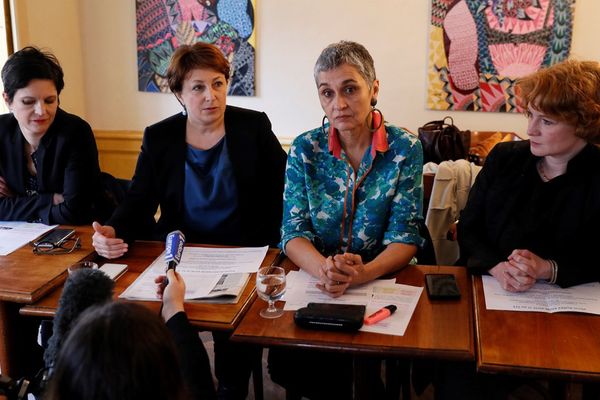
(270, 285)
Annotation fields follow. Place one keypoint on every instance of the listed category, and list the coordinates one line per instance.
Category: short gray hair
(346, 52)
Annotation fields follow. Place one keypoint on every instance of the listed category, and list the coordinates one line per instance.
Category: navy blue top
(210, 192)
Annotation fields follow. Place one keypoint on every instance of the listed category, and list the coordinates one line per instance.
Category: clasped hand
(520, 272)
(339, 272)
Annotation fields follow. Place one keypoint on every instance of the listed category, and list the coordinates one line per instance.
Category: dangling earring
(373, 111)
(184, 111)
(323, 124)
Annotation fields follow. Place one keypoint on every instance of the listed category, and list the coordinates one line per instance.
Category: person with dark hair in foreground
(122, 351)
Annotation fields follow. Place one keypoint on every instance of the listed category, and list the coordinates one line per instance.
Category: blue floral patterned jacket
(338, 210)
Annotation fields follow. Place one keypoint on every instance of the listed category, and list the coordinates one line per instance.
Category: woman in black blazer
(49, 168)
(533, 214)
(217, 174)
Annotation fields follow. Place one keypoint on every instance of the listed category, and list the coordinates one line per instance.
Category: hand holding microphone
(174, 294)
(174, 249)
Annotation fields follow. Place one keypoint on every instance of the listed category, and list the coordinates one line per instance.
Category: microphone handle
(170, 265)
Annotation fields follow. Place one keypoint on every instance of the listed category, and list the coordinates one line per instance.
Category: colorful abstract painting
(163, 25)
(478, 48)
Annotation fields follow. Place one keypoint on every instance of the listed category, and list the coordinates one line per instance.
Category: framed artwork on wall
(479, 48)
(163, 25)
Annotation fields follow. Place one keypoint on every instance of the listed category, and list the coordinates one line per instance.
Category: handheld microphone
(84, 288)
(174, 249)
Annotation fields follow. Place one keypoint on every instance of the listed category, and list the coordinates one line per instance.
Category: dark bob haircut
(189, 57)
(28, 64)
(118, 351)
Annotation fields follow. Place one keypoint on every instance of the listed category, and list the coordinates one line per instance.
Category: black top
(510, 207)
(66, 162)
(259, 165)
(195, 365)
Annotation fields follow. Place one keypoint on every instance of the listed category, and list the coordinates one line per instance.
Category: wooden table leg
(20, 355)
(367, 377)
(5, 366)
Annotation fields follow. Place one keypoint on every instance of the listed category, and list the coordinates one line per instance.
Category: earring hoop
(373, 111)
(323, 125)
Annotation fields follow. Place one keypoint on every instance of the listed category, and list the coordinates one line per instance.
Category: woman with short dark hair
(49, 168)
(217, 173)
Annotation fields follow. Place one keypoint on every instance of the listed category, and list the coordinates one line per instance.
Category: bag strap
(451, 121)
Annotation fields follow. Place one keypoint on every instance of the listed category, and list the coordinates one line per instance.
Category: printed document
(404, 297)
(208, 273)
(301, 290)
(543, 297)
(16, 234)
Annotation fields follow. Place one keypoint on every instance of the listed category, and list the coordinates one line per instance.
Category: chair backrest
(479, 136)
(113, 192)
(482, 142)
(426, 254)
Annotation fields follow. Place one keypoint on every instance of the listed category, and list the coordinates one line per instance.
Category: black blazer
(509, 208)
(259, 166)
(67, 163)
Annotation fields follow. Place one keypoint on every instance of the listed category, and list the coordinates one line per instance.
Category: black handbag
(443, 141)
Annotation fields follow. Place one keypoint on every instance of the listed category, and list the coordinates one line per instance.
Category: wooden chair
(482, 143)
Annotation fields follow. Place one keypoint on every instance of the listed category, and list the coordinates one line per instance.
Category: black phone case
(335, 317)
(442, 286)
(55, 237)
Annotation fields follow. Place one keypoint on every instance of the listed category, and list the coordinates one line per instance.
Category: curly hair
(568, 91)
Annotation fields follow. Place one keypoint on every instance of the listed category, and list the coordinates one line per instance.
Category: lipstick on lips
(380, 314)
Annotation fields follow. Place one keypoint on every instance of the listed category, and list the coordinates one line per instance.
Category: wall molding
(118, 150)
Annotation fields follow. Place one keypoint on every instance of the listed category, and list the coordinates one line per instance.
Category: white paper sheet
(15, 234)
(374, 295)
(543, 297)
(404, 297)
(219, 260)
(201, 268)
(301, 289)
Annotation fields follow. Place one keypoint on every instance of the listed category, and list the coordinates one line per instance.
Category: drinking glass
(270, 285)
(81, 265)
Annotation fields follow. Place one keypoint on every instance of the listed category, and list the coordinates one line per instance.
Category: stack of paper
(16, 234)
(209, 273)
(301, 290)
(543, 297)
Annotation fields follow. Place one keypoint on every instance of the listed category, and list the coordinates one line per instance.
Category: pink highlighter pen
(380, 314)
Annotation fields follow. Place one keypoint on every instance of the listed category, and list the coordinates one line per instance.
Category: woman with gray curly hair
(352, 204)
(352, 199)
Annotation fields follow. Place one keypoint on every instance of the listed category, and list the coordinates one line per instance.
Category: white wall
(290, 35)
(55, 26)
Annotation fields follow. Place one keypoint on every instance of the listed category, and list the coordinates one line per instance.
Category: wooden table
(438, 329)
(25, 278)
(562, 346)
(205, 316)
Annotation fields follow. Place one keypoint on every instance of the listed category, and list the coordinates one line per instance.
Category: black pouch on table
(336, 317)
